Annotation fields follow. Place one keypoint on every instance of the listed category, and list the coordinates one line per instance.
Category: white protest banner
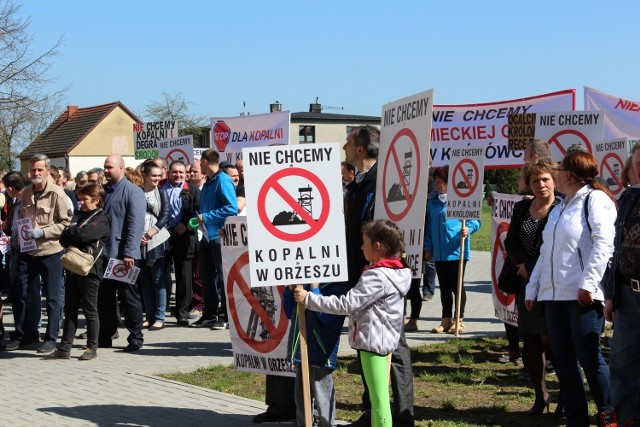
(503, 304)
(231, 134)
(564, 129)
(611, 156)
(466, 177)
(294, 214)
(197, 154)
(116, 270)
(179, 148)
(622, 116)
(147, 135)
(26, 244)
(403, 170)
(457, 125)
(5, 242)
(258, 326)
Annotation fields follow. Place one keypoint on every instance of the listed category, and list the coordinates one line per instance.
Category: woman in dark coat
(88, 232)
(522, 245)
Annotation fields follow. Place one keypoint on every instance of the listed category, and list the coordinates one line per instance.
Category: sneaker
(47, 347)
(132, 347)
(220, 325)
(57, 354)
(12, 345)
(194, 314)
(88, 354)
(524, 375)
(504, 358)
(518, 362)
(427, 297)
(204, 323)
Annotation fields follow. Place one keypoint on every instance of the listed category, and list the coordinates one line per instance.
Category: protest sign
(26, 243)
(258, 326)
(622, 116)
(504, 304)
(487, 123)
(564, 129)
(180, 148)
(116, 270)
(231, 134)
(403, 174)
(147, 135)
(611, 156)
(466, 176)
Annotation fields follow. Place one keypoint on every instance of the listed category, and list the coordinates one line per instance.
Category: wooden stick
(304, 365)
(460, 274)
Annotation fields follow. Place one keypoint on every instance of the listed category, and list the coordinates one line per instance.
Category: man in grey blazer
(125, 205)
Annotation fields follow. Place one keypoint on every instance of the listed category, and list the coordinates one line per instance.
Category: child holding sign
(376, 310)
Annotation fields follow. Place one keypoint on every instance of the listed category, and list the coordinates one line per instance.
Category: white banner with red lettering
(622, 116)
(457, 125)
(229, 135)
(504, 304)
(258, 327)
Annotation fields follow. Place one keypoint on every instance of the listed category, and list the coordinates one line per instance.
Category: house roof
(326, 117)
(69, 129)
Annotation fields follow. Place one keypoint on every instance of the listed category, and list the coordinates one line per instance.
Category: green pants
(376, 374)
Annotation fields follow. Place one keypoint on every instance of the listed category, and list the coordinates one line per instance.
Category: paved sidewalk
(122, 389)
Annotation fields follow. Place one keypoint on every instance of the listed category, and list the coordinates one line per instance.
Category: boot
(444, 326)
(452, 329)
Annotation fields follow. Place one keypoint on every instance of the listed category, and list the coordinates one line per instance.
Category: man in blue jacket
(217, 202)
(126, 206)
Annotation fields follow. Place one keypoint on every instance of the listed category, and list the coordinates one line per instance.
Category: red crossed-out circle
(471, 186)
(119, 270)
(604, 165)
(272, 184)
(276, 332)
(23, 232)
(409, 195)
(181, 154)
(554, 140)
(500, 251)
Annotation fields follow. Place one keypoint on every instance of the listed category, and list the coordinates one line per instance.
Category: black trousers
(184, 283)
(280, 397)
(80, 291)
(108, 295)
(448, 278)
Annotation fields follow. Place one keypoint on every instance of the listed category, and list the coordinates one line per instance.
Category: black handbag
(509, 281)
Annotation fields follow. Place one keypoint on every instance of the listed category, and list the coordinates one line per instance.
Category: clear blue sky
(353, 54)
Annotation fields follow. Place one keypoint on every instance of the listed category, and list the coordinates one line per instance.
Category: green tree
(177, 108)
(505, 180)
(26, 106)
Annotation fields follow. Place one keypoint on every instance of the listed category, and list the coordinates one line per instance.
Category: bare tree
(26, 105)
(177, 108)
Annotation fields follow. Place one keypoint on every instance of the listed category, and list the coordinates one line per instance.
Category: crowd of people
(571, 248)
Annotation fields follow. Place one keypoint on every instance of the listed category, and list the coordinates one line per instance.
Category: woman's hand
(529, 304)
(585, 298)
(522, 271)
(608, 311)
(464, 231)
(428, 256)
(299, 295)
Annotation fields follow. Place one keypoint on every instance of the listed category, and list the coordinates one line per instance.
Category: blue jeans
(428, 279)
(210, 276)
(154, 292)
(26, 295)
(574, 332)
(625, 348)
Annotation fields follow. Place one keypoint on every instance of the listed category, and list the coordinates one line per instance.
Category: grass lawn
(481, 240)
(457, 383)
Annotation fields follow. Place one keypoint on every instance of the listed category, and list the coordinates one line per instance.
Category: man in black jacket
(183, 205)
(361, 150)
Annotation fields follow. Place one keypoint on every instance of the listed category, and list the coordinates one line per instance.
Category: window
(307, 135)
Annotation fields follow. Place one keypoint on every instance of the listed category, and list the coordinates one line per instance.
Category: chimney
(274, 108)
(315, 108)
(71, 110)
